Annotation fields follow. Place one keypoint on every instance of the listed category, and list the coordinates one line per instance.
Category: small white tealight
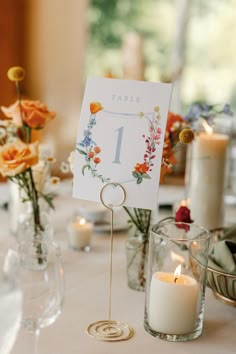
(79, 234)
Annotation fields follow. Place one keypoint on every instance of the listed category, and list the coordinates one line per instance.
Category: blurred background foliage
(208, 73)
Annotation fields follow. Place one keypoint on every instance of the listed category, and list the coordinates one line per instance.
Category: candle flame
(207, 127)
(82, 221)
(177, 272)
(184, 203)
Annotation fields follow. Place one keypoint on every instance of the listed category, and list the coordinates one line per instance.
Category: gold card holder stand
(110, 330)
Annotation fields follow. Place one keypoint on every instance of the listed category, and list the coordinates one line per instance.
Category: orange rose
(95, 107)
(16, 157)
(35, 114)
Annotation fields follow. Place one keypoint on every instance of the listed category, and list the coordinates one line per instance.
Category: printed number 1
(118, 144)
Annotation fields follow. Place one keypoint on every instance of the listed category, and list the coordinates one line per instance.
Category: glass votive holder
(80, 234)
(175, 288)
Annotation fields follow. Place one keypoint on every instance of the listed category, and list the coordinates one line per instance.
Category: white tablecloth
(87, 301)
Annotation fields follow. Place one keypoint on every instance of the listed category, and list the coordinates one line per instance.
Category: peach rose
(95, 107)
(16, 157)
(35, 114)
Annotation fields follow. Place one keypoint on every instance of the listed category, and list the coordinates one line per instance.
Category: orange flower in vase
(175, 124)
(19, 156)
(16, 157)
(31, 113)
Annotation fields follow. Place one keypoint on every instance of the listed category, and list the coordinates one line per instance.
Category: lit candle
(80, 233)
(133, 58)
(207, 182)
(184, 202)
(173, 302)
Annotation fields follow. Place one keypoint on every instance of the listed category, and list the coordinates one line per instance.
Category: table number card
(120, 139)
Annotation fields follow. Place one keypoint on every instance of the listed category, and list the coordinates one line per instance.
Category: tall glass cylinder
(175, 289)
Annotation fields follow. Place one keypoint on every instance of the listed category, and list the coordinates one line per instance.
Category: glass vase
(33, 253)
(16, 206)
(11, 301)
(136, 259)
(19, 203)
(175, 289)
(27, 230)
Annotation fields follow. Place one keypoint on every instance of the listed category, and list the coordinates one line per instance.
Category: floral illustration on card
(88, 147)
(91, 150)
(152, 139)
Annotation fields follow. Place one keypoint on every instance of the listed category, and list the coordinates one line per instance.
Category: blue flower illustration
(87, 133)
(86, 141)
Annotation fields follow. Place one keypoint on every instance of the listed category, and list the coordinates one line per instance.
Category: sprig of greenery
(141, 218)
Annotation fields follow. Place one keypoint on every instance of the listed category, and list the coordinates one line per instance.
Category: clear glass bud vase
(27, 229)
(136, 258)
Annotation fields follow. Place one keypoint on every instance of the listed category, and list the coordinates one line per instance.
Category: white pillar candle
(173, 305)
(207, 182)
(80, 233)
(132, 57)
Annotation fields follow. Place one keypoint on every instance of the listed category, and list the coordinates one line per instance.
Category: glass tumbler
(175, 289)
(11, 301)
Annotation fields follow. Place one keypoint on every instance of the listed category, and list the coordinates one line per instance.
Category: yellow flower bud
(141, 114)
(16, 73)
(156, 109)
(186, 136)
